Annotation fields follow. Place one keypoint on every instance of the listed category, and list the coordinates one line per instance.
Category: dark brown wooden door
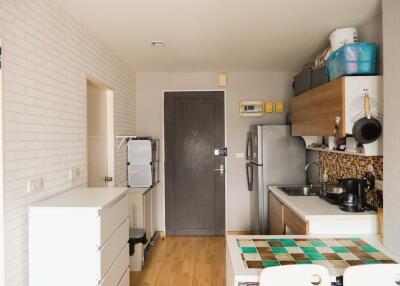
(194, 188)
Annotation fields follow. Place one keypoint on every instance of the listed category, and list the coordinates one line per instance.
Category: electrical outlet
(74, 173)
(239, 155)
(379, 184)
(35, 185)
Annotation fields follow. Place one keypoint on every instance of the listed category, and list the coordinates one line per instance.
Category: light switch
(74, 173)
(35, 185)
(279, 106)
(222, 79)
(268, 107)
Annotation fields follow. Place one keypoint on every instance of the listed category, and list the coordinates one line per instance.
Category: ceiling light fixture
(157, 44)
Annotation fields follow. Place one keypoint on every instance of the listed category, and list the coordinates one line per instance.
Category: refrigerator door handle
(249, 147)
(249, 175)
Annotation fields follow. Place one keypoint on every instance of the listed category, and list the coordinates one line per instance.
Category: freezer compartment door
(140, 176)
(140, 152)
(284, 157)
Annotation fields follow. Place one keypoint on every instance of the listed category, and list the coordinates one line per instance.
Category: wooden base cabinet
(282, 220)
(275, 215)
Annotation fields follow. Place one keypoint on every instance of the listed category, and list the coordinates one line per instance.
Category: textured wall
(241, 86)
(47, 59)
(391, 130)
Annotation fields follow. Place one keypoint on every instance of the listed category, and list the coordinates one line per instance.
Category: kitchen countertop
(314, 208)
(237, 272)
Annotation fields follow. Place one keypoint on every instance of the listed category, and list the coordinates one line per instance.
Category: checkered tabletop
(336, 254)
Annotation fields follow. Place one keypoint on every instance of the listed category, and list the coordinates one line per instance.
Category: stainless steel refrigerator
(143, 162)
(273, 157)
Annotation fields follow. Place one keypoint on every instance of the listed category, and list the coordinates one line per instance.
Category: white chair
(295, 275)
(372, 275)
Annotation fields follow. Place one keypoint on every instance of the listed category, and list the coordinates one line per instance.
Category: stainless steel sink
(304, 190)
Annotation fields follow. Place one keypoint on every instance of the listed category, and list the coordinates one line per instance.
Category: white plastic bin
(341, 37)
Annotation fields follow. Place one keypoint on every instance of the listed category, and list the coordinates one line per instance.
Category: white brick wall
(47, 59)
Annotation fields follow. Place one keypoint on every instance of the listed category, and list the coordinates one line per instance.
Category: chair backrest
(372, 275)
(298, 275)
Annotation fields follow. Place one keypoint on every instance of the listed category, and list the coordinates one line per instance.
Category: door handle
(108, 179)
(221, 170)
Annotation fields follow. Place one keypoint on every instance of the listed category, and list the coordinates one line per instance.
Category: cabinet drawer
(118, 269)
(112, 218)
(296, 224)
(113, 247)
(125, 279)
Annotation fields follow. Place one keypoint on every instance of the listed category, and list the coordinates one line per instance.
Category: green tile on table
(279, 250)
(371, 261)
(249, 250)
(315, 256)
(317, 243)
(368, 248)
(354, 238)
(303, 262)
(339, 249)
(288, 242)
(269, 263)
(309, 249)
(273, 240)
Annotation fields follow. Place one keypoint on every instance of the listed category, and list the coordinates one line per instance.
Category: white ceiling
(217, 35)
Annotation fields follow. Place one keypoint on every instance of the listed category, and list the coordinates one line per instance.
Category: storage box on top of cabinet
(80, 238)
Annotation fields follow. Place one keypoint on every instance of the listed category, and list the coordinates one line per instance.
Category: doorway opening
(194, 136)
(100, 135)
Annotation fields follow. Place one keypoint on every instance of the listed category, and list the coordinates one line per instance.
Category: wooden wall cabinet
(314, 112)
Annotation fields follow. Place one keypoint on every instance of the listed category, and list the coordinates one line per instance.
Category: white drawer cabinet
(80, 238)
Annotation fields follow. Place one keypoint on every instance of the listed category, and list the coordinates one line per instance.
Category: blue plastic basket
(353, 59)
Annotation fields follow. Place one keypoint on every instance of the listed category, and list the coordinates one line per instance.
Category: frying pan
(367, 129)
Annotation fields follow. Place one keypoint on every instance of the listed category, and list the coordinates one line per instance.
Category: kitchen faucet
(306, 170)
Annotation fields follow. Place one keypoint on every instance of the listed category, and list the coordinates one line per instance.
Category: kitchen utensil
(334, 189)
(370, 184)
(367, 129)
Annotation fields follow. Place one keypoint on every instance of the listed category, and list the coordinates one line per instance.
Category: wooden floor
(184, 261)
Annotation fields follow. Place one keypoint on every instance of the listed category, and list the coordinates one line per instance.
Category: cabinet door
(148, 219)
(275, 215)
(328, 103)
(294, 223)
(302, 108)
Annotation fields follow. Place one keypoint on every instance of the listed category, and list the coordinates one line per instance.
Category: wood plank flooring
(184, 261)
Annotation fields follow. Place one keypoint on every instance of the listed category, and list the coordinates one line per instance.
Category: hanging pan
(367, 129)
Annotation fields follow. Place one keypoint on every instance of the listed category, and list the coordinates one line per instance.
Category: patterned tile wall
(346, 166)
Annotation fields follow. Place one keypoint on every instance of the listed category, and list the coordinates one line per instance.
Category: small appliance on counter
(354, 198)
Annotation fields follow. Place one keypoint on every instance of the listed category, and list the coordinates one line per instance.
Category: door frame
(162, 149)
(110, 129)
(2, 176)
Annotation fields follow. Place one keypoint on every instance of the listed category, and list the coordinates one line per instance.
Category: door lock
(221, 170)
(108, 179)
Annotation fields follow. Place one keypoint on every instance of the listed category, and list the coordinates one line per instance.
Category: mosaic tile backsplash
(347, 166)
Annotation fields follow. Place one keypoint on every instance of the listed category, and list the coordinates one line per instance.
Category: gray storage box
(319, 77)
(302, 82)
